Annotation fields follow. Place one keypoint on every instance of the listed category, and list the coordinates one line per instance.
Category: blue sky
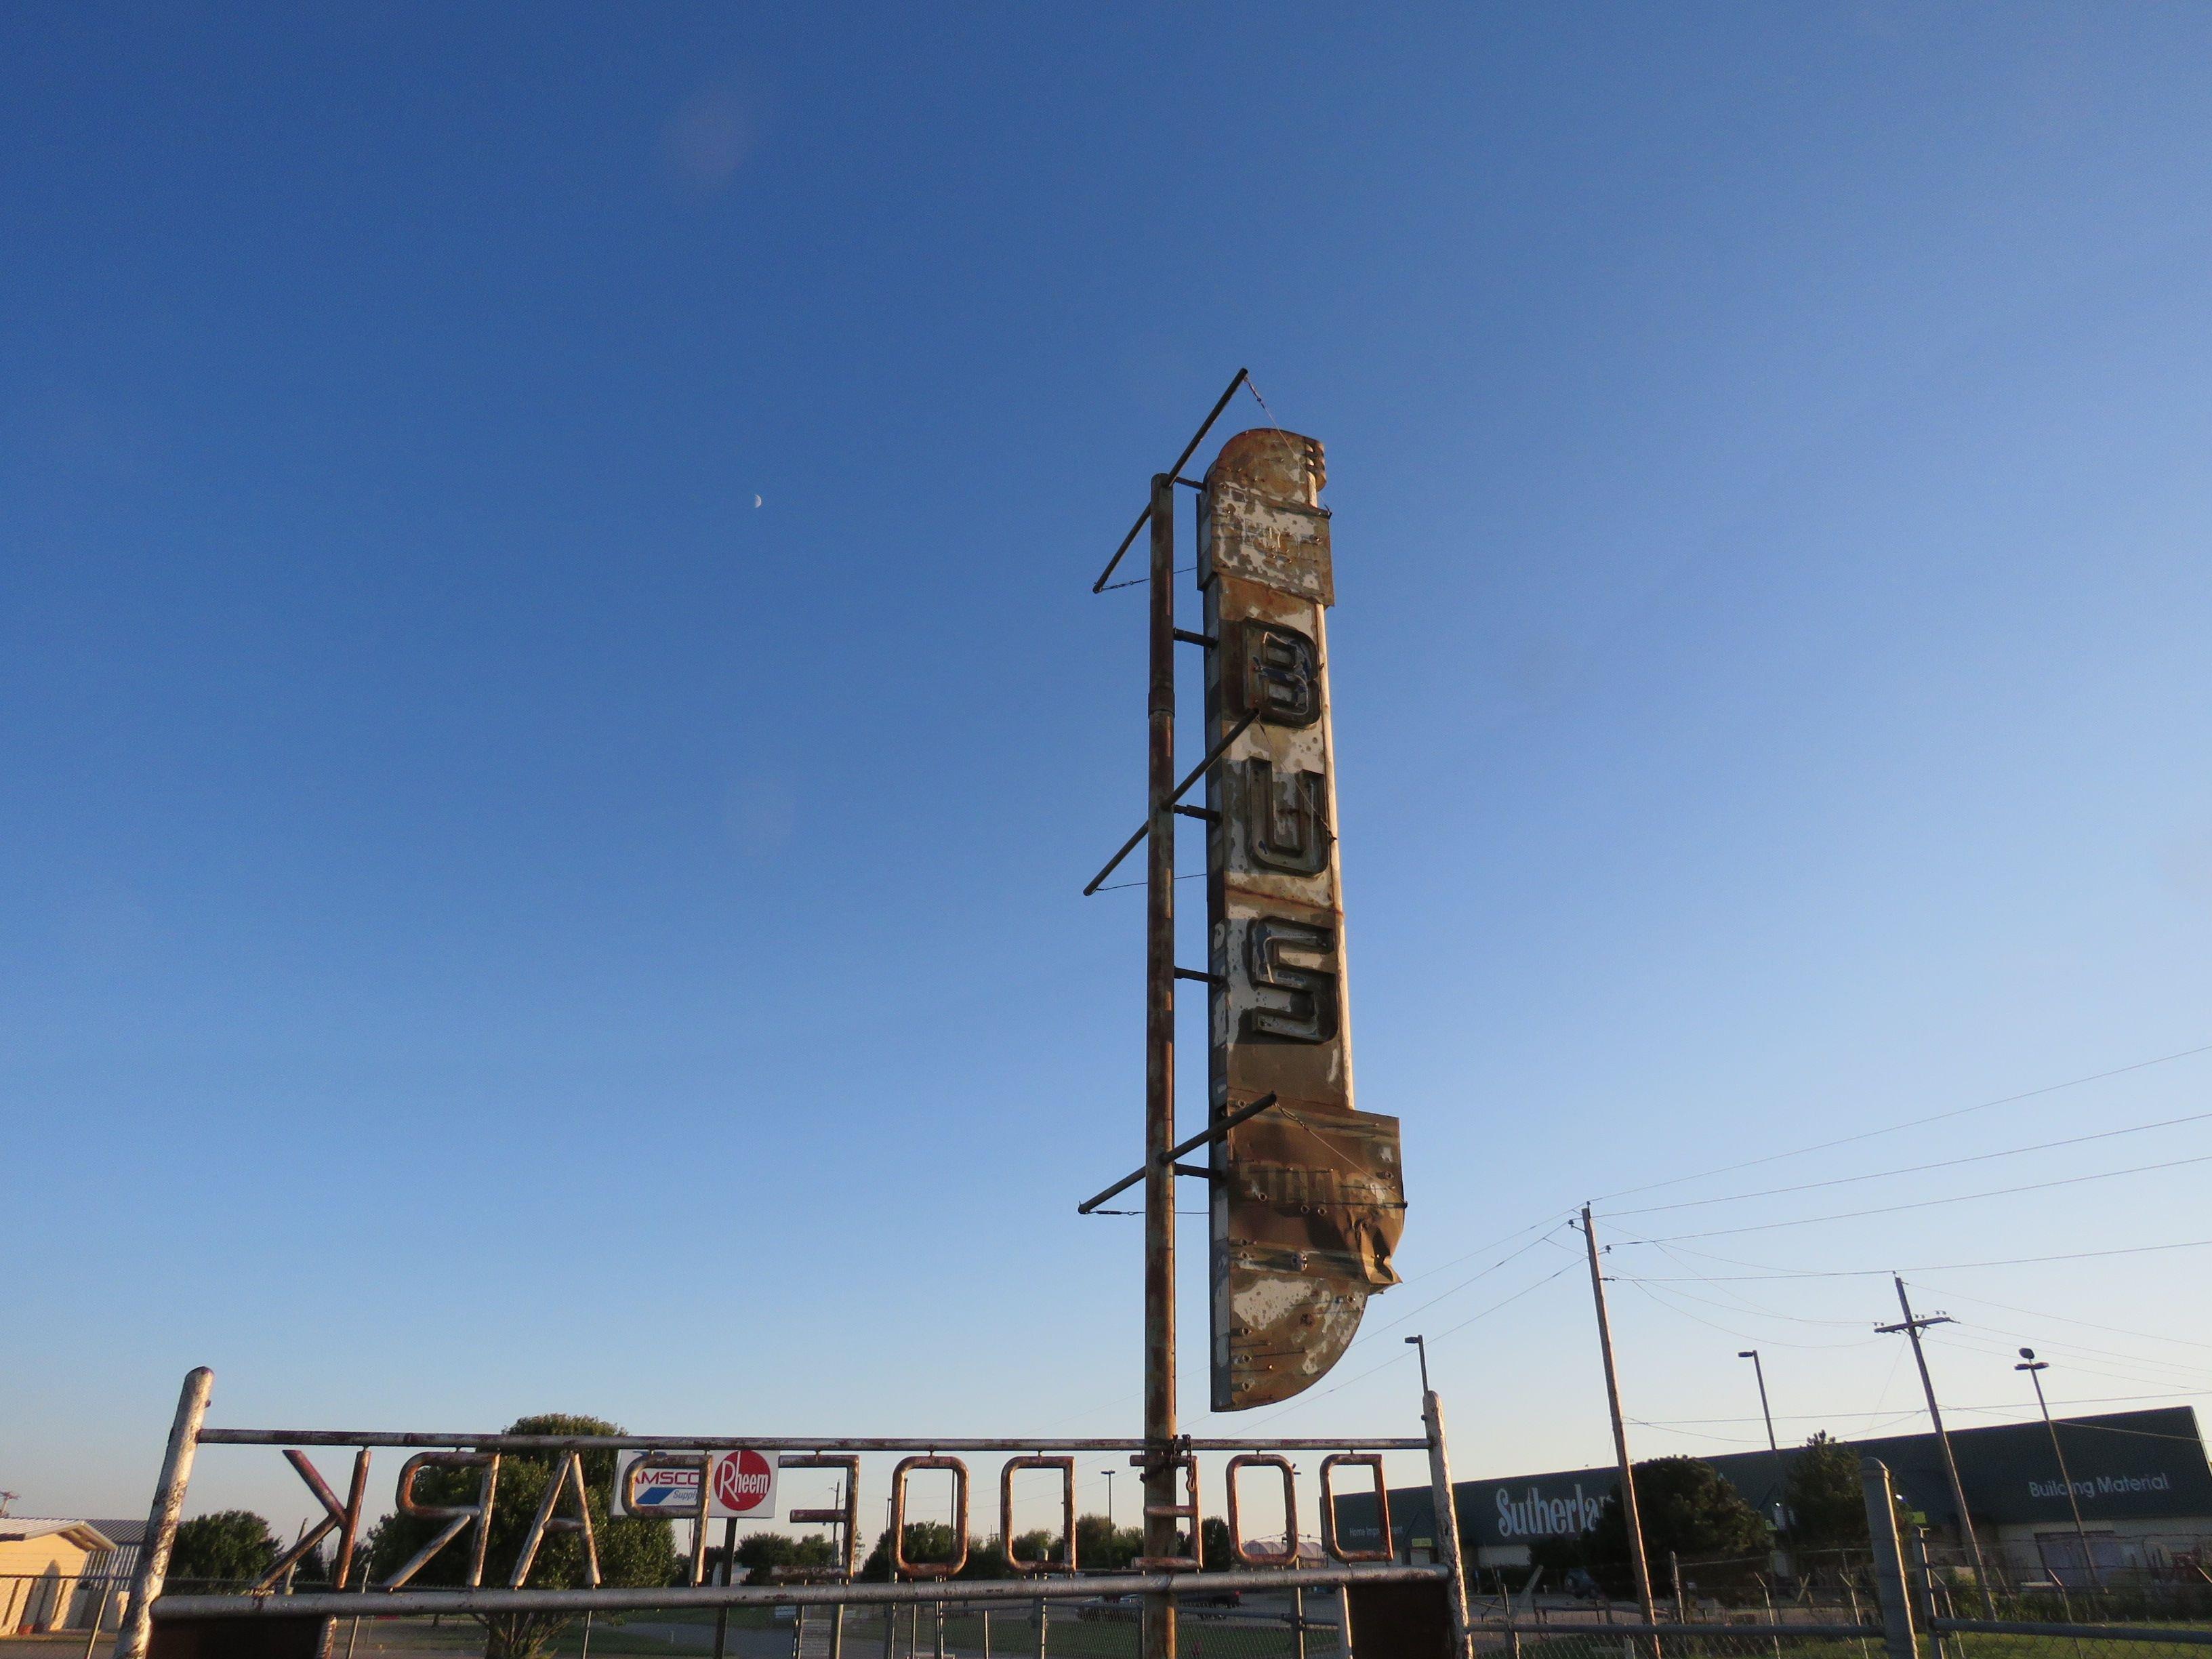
(551, 718)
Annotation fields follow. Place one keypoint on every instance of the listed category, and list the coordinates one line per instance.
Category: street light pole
(1421, 1343)
(2035, 1368)
(1108, 1474)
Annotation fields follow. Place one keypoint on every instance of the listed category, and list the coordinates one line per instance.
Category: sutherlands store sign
(1308, 1197)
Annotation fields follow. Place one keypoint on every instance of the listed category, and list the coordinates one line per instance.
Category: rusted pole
(1444, 1512)
(1159, 1619)
(1897, 1632)
(168, 1507)
(1628, 1510)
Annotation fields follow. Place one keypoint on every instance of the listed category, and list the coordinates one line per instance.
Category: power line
(1756, 1312)
(1462, 1284)
(2038, 1313)
(1744, 1336)
(1979, 1411)
(1551, 1224)
(1397, 1356)
(1910, 1123)
(1884, 1273)
(1712, 1282)
(2003, 1351)
(1930, 1203)
(1917, 1169)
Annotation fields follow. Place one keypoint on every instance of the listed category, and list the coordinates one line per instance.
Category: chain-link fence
(2113, 1581)
(1260, 1627)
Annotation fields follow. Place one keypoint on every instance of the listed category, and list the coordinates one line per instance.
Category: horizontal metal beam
(1759, 1631)
(1188, 449)
(495, 1441)
(2198, 1637)
(1180, 789)
(1191, 1145)
(1059, 1587)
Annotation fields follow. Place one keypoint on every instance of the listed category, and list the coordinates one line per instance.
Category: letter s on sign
(1300, 1003)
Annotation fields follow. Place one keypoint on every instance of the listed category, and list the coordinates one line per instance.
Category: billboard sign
(1308, 1198)
(741, 1486)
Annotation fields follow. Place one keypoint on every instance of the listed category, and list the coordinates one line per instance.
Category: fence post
(1043, 1619)
(162, 1521)
(1445, 1514)
(1888, 1559)
(99, 1618)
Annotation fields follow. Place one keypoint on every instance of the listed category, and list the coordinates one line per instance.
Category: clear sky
(552, 722)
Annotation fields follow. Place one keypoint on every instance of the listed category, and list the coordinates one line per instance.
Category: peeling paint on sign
(1308, 1198)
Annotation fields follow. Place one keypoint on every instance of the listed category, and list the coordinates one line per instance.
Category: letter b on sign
(745, 1484)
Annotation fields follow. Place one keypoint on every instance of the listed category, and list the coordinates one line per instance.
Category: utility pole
(1159, 1465)
(2035, 1368)
(1912, 1328)
(1781, 1480)
(1628, 1508)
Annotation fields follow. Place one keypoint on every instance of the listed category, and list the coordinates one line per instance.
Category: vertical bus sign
(1308, 1196)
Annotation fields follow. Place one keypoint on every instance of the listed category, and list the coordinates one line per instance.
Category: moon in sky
(756, 501)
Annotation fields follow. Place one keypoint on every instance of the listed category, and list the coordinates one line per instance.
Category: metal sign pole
(1159, 1618)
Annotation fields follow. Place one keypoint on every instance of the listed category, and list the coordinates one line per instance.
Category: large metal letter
(1309, 1200)
(457, 1517)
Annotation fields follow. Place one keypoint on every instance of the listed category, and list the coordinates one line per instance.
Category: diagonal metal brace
(1175, 471)
(1216, 1133)
(1180, 789)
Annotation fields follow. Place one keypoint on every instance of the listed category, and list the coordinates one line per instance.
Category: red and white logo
(745, 1484)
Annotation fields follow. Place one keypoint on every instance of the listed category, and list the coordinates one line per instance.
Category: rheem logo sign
(744, 1485)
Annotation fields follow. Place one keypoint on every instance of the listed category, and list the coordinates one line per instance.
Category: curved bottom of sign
(1288, 1328)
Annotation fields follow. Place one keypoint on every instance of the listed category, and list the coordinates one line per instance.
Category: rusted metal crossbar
(1182, 1147)
(328, 1604)
(1174, 795)
(561, 1443)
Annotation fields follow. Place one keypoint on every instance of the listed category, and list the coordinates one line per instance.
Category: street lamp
(1108, 1474)
(2035, 1368)
(1781, 1510)
(1421, 1343)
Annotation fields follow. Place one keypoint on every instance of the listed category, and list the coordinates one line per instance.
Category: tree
(1689, 1509)
(634, 1551)
(1826, 1505)
(924, 1541)
(1102, 1546)
(986, 1558)
(1213, 1544)
(1037, 1546)
(231, 1544)
(764, 1554)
